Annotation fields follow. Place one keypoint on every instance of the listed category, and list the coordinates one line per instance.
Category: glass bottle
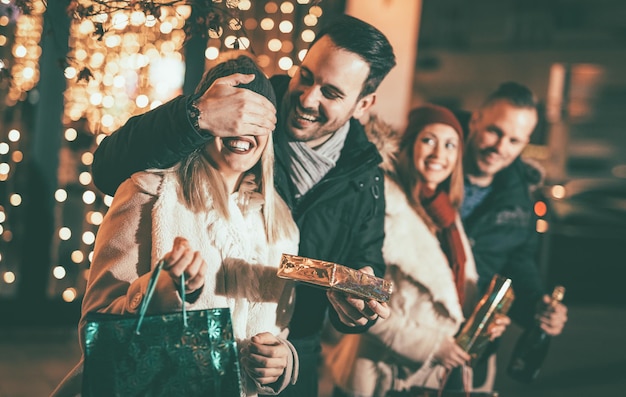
(532, 347)
(474, 336)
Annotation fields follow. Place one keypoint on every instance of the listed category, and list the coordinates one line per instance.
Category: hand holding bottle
(498, 326)
(532, 346)
(450, 354)
(553, 317)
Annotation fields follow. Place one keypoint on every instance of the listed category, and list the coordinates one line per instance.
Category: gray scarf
(308, 166)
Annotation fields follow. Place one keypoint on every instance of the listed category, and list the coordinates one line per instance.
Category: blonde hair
(201, 183)
(409, 179)
(202, 186)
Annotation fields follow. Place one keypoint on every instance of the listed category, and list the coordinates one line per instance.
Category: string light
(26, 52)
(65, 233)
(15, 199)
(69, 295)
(59, 272)
(19, 41)
(139, 61)
(87, 158)
(137, 65)
(60, 195)
(9, 277)
(274, 32)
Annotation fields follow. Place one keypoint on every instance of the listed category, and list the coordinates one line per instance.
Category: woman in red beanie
(428, 259)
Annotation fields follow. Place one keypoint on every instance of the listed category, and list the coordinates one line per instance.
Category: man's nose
(500, 145)
(310, 97)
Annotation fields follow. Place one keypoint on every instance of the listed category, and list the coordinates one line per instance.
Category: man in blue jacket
(326, 169)
(497, 209)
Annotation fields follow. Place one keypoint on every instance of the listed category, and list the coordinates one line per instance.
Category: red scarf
(437, 206)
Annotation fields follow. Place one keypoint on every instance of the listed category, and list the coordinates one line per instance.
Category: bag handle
(466, 377)
(145, 302)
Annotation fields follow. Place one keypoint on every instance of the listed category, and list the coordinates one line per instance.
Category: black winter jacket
(504, 241)
(340, 219)
(502, 232)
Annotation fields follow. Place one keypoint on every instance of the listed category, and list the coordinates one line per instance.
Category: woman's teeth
(238, 145)
(434, 166)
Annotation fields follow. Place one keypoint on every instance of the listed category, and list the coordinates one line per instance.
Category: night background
(68, 78)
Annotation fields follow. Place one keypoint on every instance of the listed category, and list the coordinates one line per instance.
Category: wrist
(194, 114)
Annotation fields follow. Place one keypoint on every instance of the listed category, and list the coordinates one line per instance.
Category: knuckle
(262, 362)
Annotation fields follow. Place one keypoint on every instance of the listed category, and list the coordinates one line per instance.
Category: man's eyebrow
(495, 128)
(331, 87)
(337, 90)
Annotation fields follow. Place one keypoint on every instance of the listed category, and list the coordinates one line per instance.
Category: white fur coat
(145, 217)
(424, 307)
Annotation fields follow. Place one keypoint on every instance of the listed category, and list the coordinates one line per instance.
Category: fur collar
(411, 246)
(385, 138)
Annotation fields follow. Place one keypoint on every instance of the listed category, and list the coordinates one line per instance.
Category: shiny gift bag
(188, 353)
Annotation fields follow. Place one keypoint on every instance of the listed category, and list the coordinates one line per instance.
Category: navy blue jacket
(502, 232)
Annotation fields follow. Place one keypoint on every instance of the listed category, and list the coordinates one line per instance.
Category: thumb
(235, 79)
(180, 241)
(264, 338)
(368, 270)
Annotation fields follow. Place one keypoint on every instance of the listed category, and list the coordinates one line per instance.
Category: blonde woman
(216, 217)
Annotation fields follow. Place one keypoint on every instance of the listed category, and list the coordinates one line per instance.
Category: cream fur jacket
(397, 353)
(139, 228)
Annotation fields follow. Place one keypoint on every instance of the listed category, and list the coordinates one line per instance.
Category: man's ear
(363, 105)
(474, 119)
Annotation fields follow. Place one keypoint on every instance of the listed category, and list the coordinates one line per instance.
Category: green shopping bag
(188, 353)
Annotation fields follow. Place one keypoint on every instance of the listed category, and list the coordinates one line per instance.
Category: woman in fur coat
(216, 218)
(428, 259)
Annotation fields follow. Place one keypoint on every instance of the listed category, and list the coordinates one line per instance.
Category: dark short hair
(514, 93)
(363, 39)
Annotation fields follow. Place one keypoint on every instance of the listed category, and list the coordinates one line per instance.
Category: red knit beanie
(429, 114)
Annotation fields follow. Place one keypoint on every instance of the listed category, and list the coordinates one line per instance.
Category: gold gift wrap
(334, 276)
(474, 336)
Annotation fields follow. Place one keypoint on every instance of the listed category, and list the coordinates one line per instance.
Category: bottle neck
(557, 295)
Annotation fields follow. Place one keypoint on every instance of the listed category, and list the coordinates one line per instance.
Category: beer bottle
(532, 347)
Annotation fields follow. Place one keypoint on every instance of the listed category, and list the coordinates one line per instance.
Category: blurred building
(571, 54)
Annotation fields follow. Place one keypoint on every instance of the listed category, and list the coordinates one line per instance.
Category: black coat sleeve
(368, 247)
(156, 139)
